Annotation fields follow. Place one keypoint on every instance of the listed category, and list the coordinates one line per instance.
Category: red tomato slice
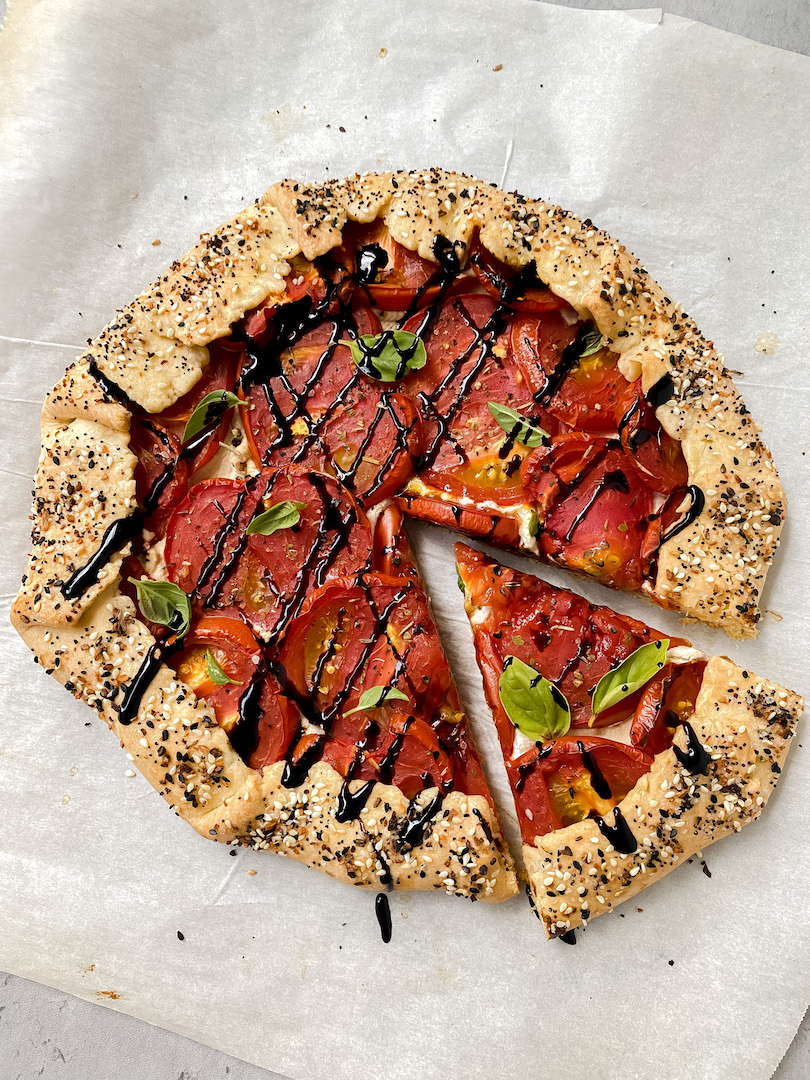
(666, 702)
(594, 510)
(322, 413)
(304, 279)
(559, 784)
(466, 451)
(264, 579)
(392, 550)
(234, 648)
(522, 290)
(391, 274)
(219, 375)
(161, 475)
(656, 456)
(357, 633)
(569, 641)
(590, 396)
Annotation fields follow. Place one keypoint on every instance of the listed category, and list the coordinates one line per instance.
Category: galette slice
(626, 751)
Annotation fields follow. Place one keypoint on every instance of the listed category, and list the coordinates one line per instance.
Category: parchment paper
(127, 123)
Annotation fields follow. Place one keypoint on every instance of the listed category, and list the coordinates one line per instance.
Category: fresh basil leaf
(215, 672)
(164, 603)
(630, 675)
(533, 704)
(282, 515)
(518, 427)
(211, 409)
(376, 696)
(592, 343)
(389, 356)
(534, 525)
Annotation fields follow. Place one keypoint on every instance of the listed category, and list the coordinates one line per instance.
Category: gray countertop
(49, 1034)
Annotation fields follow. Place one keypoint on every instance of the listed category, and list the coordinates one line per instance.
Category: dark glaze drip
(369, 260)
(295, 772)
(350, 803)
(113, 540)
(383, 913)
(526, 770)
(137, 687)
(598, 781)
(619, 834)
(569, 937)
(694, 758)
(412, 834)
(568, 361)
(290, 323)
(612, 481)
(694, 511)
(660, 392)
(245, 736)
(111, 389)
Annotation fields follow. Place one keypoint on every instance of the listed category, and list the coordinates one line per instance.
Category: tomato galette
(219, 564)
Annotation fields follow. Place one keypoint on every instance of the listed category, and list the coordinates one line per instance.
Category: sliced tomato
(572, 779)
(655, 455)
(567, 640)
(320, 412)
(233, 647)
(220, 374)
(391, 274)
(303, 280)
(392, 550)
(264, 579)
(587, 394)
(666, 702)
(488, 525)
(354, 634)
(521, 290)
(466, 451)
(593, 509)
(161, 475)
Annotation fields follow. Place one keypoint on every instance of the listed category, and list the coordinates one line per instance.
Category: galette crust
(746, 725)
(155, 350)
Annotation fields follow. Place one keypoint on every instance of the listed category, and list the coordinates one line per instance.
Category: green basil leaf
(460, 581)
(389, 356)
(630, 675)
(592, 343)
(215, 672)
(211, 409)
(534, 525)
(281, 516)
(164, 603)
(518, 427)
(533, 704)
(376, 696)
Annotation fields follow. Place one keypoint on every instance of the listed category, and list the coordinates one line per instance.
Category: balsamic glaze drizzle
(598, 781)
(694, 758)
(137, 687)
(619, 834)
(383, 913)
(694, 511)
(660, 392)
(113, 540)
